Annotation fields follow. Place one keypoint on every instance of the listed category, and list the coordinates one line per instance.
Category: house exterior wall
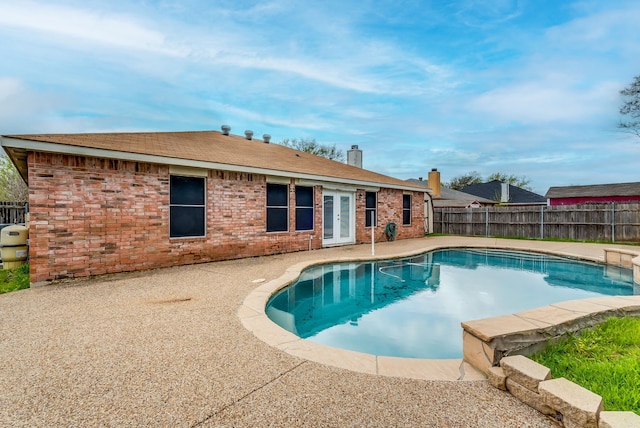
(390, 210)
(599, 199)
(93, 216)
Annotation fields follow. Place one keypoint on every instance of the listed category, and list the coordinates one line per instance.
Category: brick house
(118, 202)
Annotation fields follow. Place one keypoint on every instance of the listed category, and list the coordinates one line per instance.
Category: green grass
(604, 360)
(14, 279)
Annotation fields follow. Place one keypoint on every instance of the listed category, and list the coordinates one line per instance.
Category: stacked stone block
(570, 404)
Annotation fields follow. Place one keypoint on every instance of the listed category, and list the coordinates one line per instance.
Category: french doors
(338, 217)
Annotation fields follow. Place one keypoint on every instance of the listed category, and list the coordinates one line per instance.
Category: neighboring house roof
(493, 190)
(202, 149)
(452, 198)
(594, 191)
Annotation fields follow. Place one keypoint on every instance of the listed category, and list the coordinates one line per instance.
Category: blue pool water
(413, 307)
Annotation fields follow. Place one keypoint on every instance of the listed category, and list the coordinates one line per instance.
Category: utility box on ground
(13, 246)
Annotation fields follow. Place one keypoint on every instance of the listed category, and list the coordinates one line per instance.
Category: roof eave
(10, 143)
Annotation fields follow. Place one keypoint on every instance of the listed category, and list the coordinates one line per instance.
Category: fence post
(583, 221)
(613, 222)
(486, 222)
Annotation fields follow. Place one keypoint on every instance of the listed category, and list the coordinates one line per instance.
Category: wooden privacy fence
(614, 222)
(12, 212)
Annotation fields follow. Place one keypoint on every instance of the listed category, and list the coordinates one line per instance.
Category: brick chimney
(434, 182)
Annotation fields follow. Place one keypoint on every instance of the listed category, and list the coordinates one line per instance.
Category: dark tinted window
(187, 212)
(277, 219)
(304, 196)
(371, 208)
(186, 221)
(406, 209)
(277, 207)
(186, 190)
(304, 208)
(277, 195)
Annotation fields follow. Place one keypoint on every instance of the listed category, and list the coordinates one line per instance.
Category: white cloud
(9, 88)
(21, 106)
(599, 31)
(487, 13)
(303, 120)
(542, 101)
(84, 25)
(354, 63)
(570, 75)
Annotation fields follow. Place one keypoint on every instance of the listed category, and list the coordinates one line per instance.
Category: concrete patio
(167, 348)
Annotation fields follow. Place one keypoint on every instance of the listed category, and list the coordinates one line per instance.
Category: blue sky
(525, 87)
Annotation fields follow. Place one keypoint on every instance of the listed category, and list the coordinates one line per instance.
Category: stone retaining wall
(487, 341)
(568, 403)
(498, 347)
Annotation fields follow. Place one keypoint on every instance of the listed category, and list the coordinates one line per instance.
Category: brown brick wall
(390, 210)
(93, 216)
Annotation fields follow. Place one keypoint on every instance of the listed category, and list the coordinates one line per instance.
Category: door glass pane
(328, 217)
(345, 212)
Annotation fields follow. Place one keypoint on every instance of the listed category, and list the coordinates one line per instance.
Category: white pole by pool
(373, 249)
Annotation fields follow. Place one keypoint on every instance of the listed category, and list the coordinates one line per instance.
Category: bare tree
(464, 180)
(514, 180)
(631, 107)
(12, 187)
(311, 146)
(474, 177)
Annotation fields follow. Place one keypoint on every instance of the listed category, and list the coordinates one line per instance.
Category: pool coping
(254, 318)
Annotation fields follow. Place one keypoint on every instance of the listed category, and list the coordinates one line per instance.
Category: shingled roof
(451, 198)
(595, 190)
(493, 190)
(204, 149)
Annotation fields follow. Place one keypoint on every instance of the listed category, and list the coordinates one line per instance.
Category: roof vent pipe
(248, 134)
(226, 129)
(266, 138)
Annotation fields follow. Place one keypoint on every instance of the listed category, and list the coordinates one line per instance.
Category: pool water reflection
(413, 307)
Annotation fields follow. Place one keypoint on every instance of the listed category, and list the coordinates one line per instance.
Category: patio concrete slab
(169, 347)
(415, 368)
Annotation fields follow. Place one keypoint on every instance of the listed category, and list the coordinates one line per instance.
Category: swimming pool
(413, 307)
